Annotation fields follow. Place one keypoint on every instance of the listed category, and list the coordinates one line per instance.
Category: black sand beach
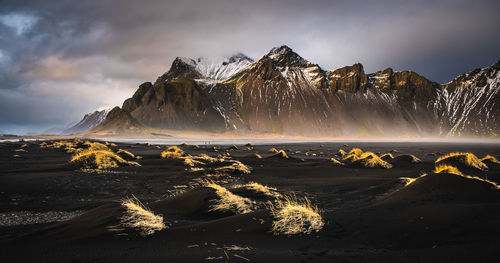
(52, 212)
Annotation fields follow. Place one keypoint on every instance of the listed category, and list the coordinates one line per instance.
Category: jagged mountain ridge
(89, 121)
(284, 93)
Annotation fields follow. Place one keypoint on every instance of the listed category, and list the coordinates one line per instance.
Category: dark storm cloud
(56, 56)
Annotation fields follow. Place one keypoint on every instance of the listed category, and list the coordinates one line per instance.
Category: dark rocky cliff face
(284, 93)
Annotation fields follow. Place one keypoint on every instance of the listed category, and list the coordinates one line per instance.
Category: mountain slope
(284, 93)
(89, 121)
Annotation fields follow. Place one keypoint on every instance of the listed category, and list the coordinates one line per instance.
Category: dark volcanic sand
(369, 215)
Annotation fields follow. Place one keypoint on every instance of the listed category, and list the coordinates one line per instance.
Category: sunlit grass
(172, 152)
(262, 189)
(98, 156)
(490, 159)
(462, 159)
(387, 156)
(293, 216)
(228, 201)
(138, 217)
(273, 150)
(335, 161)
(408, 180)
(99, 159)
(235, 166)
(341, 153)
(281, 154)
(126, 154)
(445, 168)
(366, 160)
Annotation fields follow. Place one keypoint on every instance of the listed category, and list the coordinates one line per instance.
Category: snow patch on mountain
(89, 121)
(218, 69)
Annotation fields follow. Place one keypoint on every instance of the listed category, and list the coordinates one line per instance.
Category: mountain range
(283, 93)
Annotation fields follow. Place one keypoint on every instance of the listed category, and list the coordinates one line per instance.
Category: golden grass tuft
(366, 160)
(20, 150)
(341, 153)
(273, 150)
(96, 146)
(190, 161)
(387, 156)
(235, 166)
(281, 154)
(256, 155)
(445, 168)
(172, 152)
(335, 161)
(293, 216)
(410, 180)
(233, 147)
(228, 201)
(16, 156)
(68, 146)
(138, 217)
(356, 151)
(490, 159)
(99, 159)
(466, 160)
(126, 155)
(262, 189)
(206, 158)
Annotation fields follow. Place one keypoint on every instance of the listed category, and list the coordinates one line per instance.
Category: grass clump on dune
(98, 156)
(228, 201)
(335, 161)
(365, 160)
(189, 161)
(96, 146)
(262, 189)
(256, 155)
(126, 155)
(293, 216)
(273, 150)
(409, 180)
(235, 166)
(356, 152)
(387, 156)
(353, 155)
(201, 159)
(462, 160)
(488, 159)
(445, 168)
(172, 152)
(92, 159)
(281, 154)
(68, 146)
(138, 217)
(341, 153)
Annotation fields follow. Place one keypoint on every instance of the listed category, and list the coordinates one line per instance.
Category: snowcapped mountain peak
(281, 50)
(284, 56)
(89, 121)
(238, 57)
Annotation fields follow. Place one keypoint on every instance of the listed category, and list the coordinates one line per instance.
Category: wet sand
(370, 215)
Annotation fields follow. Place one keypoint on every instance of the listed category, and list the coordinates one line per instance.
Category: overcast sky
(61, 59)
